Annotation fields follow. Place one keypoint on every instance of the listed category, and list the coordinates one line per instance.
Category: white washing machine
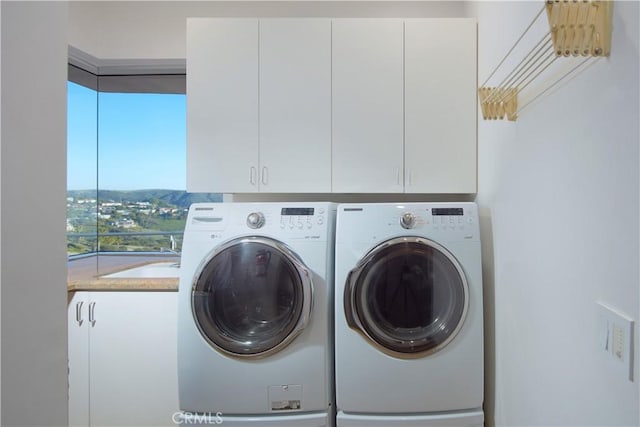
(408, 315)
(255, 338)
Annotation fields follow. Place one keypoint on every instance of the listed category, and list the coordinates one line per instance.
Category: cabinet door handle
(253, 175)
(92, 313)
(410, 178)
(79, 318)
(265, 175)
(398, 176)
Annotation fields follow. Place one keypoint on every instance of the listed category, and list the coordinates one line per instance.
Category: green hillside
(158, 197)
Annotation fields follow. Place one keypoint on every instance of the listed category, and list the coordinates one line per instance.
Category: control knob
(255, 220)
(407, 220)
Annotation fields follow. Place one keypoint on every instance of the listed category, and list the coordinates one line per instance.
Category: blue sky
(140, 141)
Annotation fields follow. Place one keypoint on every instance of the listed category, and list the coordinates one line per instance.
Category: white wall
(559, 194)
(0, 221)
(157, 29)
(33, 168)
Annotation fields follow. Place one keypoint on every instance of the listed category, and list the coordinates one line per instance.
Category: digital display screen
(297, 211)
(447, 211)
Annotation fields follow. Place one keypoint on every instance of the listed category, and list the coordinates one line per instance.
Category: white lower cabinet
(78, 354)
(123, 359)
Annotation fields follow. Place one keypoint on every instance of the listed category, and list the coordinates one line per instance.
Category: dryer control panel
(444, 219)
(371, 221)
(451, 221)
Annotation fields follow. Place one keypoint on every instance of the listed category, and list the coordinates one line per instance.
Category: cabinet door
(440, 105)
(295, 105)
(134, 359)
(367, 105)
(222, 105)
(78, 354)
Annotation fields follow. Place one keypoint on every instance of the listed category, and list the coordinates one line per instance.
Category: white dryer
(255, 336)
(408, 310)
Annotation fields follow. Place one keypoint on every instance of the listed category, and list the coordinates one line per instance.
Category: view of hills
(170, 197)
(124, 221)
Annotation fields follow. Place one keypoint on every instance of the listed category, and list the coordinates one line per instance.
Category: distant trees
(109, 220)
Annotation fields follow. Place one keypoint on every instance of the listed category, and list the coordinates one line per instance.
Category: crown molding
(113, 67)
(83, 60)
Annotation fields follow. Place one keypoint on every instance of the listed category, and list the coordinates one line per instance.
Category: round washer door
(251, 297)
(408, 295)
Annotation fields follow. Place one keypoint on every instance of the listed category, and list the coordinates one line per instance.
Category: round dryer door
(251, 297)
(408, 295)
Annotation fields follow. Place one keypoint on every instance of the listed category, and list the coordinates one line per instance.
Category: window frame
(163, 76)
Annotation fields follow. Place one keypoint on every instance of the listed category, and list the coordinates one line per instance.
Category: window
(82, 154)
(127, 164)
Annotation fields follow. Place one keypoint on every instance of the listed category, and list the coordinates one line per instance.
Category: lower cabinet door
(133, 359)
(78, 355)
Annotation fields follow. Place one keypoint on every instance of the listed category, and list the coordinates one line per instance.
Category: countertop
(86, 274)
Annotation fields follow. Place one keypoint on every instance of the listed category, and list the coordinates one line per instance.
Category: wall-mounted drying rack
(577, 28)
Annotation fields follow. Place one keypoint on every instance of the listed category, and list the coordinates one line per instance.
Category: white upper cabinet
(222, 105)
(295, 105)
(315, 105)
(259, 105)
(367, 106)
(440, 105)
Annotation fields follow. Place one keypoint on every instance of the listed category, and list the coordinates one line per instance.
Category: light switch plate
(615, 338)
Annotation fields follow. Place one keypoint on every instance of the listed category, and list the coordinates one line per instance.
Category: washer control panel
(300, 222)
(255, 220)
(302, 218)
(407, 220)
(312, 220)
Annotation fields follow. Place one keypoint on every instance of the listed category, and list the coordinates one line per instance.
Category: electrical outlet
(615, 337)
